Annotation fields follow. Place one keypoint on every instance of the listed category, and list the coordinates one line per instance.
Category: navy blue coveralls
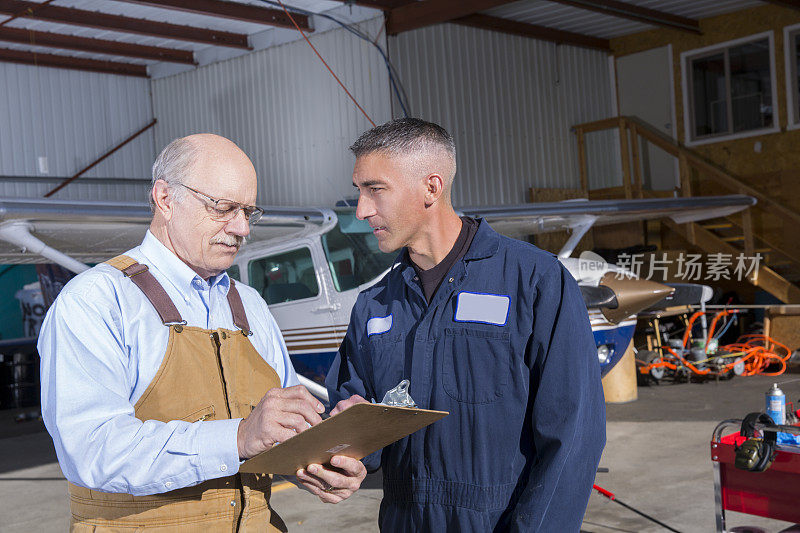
(520, 448)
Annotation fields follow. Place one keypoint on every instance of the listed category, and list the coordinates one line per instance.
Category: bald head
(179, 159)
(202, 187)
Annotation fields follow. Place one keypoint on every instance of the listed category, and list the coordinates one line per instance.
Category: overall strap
(144, 279)
(237, 309)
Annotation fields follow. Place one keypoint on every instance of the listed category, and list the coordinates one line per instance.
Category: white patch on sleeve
(379, 324)
(484, 308)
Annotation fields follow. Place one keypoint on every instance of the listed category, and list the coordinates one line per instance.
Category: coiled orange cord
(752, 350)
(758, 357)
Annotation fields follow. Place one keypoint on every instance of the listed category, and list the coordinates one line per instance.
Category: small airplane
(309, 264)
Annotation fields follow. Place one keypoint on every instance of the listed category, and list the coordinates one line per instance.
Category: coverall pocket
(476, 364)
(385, 362)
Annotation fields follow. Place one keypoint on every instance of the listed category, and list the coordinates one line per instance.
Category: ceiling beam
(231, 10)
(75, 63)
(533, 31)
(385, 5)
(646, 15)
(105, 21)
(791, 4)
(511, 27)
(102, 46)
(427, 12)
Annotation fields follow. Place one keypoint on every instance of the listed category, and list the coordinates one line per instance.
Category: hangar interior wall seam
(71, 118)
(509, 102)
(283, 108)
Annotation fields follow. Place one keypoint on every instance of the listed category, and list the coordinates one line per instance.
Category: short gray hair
(173, 165)
(402, 136)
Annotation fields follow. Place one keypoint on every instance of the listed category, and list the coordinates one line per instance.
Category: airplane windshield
(352, 252)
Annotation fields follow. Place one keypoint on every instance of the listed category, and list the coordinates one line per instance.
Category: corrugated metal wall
(71, 118)
(509, 102)
(88, 189)
(283, 108)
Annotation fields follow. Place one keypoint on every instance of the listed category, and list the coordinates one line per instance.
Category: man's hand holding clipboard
(325, 483)
(355, 429)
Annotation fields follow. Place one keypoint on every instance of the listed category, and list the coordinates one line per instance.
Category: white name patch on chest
(484, 308)
(379, 324)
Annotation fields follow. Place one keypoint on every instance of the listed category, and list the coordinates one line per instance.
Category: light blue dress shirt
(102, 343)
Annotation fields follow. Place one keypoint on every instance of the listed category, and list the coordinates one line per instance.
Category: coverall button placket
(429, 326)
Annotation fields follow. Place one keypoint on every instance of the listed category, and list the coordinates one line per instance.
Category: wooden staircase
(778, 270)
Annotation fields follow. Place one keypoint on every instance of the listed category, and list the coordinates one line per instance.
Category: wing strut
(19, 234)
(314, 388)
(578, 231)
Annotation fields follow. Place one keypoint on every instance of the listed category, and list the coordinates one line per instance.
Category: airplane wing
(31, 229)
(527, 219)
(92, 232)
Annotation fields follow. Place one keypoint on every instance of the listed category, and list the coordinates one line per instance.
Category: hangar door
(645, 88)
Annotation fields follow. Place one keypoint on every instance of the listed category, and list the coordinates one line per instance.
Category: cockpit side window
(352, 253)
(284, 277)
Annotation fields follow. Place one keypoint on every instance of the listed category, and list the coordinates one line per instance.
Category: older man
(493, 330)
(160, 374)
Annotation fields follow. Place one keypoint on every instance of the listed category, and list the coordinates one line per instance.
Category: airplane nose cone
(632, 294)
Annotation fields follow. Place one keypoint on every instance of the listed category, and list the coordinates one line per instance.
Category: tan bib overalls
(205, 375)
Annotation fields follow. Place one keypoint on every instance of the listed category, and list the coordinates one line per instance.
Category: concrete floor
(657, 455)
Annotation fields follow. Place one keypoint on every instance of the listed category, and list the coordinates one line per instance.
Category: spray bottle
(776, 404)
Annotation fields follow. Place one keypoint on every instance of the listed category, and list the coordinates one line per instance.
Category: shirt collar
(176, 271)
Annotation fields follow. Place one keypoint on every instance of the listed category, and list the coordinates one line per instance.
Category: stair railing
(689, 162)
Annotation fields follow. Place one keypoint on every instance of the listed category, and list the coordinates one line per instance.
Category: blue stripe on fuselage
(617, 339)
(314, 366)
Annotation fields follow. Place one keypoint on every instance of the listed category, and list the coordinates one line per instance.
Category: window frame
(331, 270)
(688, 99)
(282, 251)
(238, 269)
(790, 73)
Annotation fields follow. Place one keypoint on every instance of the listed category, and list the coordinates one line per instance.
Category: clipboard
(355, 432)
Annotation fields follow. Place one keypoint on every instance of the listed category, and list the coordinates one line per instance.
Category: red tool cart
(773, 493)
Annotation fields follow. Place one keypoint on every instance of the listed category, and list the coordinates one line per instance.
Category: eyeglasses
(224, 210)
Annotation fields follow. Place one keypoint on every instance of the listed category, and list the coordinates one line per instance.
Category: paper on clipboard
(355, 432)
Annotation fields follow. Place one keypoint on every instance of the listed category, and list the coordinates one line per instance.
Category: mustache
(229, 240)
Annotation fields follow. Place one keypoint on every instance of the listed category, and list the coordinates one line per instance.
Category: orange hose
(288, 14)
(687, 364)
(757, 357)
(689, 325)
(714, 324)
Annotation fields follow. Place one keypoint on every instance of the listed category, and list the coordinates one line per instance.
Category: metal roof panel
(564, 17)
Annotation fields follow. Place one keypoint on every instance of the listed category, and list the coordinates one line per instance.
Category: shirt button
(168, 484)
(451, 280)
(223, 468)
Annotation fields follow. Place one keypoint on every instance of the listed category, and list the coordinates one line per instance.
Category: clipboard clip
(398, 396)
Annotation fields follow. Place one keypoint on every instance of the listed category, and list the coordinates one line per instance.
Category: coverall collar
(485, 244)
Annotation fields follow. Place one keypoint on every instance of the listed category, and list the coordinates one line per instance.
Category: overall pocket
(385, 362)
(205, 413)
(476, 364)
